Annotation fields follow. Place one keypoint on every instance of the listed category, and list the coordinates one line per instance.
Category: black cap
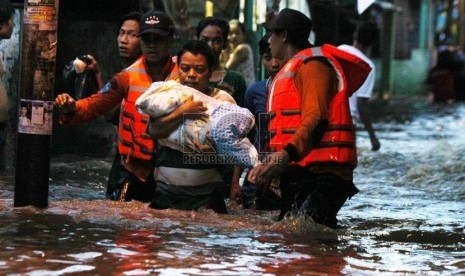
(156, 22)
(292, 21)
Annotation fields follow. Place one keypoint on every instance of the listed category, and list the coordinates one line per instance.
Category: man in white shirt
(364, 38)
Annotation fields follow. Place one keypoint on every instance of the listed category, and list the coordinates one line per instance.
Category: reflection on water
(407, 219)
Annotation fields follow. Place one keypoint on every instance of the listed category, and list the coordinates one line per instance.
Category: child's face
(236, 36)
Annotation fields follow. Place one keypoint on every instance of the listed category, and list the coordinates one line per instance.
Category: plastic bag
(78, 81)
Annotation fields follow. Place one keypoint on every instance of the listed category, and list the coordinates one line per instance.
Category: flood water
(409, 217)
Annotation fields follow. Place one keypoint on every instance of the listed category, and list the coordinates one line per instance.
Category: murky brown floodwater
(407, 219)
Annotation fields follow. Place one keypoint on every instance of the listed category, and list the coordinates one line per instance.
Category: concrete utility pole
(38, 60)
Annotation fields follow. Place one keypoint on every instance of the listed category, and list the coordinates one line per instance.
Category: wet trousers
(208, 196)
(124, 186)
(252, 197)
(319, 196)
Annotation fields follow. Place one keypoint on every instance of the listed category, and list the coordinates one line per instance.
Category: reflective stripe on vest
(338, 139)
(133, 141)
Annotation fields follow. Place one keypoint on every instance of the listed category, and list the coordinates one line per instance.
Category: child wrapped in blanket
(227, 123)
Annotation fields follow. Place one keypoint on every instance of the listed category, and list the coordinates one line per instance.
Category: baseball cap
(292, 21)
(156, 22)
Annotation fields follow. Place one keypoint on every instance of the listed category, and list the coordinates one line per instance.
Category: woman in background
(241, 58)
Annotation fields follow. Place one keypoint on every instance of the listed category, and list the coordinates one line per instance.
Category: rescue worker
(311, 132)
(156, 31)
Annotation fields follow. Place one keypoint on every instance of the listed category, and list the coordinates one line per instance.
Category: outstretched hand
(65, 103)
(93, 66)
(272, 167)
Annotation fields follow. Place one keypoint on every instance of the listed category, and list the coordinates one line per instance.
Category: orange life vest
(133, 141)
(338, 138)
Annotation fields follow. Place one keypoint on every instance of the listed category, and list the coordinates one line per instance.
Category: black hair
(263, 45)
(134, 15)
(198, 47)
(367, 34)
(240, 24)
(6, 10)
(215, 21)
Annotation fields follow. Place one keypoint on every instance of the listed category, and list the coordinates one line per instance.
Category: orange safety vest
(133, 141)
(338, 141)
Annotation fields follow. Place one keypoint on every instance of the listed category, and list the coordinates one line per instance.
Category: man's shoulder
(316, 63)
(222, 95)
(121, 76)
(118, 81)
(257, 87)
(310, 59)
(139, 62)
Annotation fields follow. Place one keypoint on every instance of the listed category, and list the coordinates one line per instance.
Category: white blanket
(227, 124)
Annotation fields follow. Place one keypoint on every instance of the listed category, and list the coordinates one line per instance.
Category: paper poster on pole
(40, 14)
(35, 117)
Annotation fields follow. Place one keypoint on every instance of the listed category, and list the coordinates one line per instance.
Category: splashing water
(407, 219)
